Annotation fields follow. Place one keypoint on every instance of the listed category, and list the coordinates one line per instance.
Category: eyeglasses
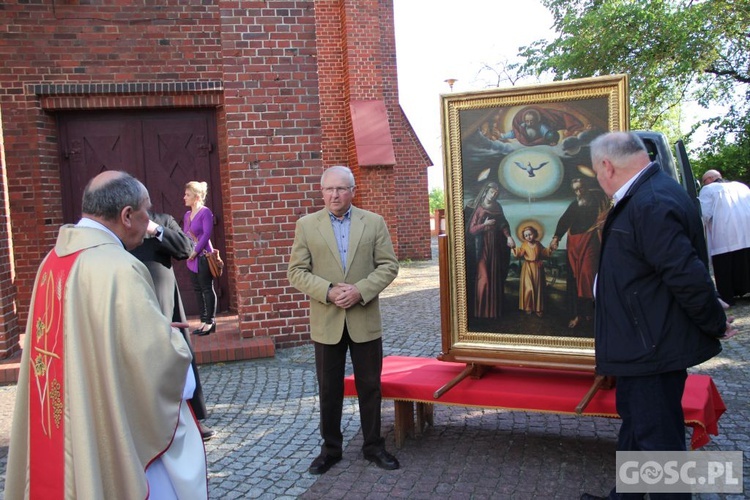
(337, 190)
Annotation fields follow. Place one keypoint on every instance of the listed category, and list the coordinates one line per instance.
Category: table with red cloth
(409, 380)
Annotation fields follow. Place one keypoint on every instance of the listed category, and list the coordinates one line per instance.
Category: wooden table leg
(600, 382)
(424, 416)
(404, 421)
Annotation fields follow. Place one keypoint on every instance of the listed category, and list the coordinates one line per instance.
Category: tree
(495, 75)
(437, 199)
(729, 159)
(673, 51)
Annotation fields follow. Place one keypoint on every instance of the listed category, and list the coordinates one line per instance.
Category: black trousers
(203, 286)
(652, 419)
(330, 364)
(732, 274)
(197, 402)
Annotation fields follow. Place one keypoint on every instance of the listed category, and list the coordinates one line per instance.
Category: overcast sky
(441, 39)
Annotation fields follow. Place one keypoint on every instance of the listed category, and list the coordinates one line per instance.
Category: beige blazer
(314, 265)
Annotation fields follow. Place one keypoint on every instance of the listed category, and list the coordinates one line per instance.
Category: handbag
(215, 264)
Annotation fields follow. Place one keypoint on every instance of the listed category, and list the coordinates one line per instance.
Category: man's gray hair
(107, 200)
(341, 169)
(616, 146)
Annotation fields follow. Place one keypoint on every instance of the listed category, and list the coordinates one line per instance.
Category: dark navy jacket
(656, 306)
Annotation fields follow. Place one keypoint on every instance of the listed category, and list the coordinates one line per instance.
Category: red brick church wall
(280, 76)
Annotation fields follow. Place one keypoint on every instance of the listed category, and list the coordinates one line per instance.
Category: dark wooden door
(164, 149)
(91, 146)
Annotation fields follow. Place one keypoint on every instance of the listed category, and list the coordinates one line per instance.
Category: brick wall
(53, 46)
(409, 200)
(286, 71)
(8, 317)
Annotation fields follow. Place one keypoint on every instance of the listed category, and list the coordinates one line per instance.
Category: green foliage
(672, 50)
(731, 159)
(437, 199)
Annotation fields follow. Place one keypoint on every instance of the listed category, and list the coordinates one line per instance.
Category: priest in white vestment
(100, 407)
(725, 208)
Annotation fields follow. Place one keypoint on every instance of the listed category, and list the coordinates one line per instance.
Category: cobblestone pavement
(266, 416)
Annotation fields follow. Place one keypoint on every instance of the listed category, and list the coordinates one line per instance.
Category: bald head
(105, 177)
(710, 176)
(120, 202)
(111, 191)
(616, 158)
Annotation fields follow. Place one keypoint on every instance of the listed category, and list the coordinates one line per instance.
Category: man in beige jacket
(342, 258)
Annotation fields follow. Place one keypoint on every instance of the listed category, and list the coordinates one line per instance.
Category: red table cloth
(532, 389)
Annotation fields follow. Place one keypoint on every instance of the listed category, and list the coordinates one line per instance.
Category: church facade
(256, 98)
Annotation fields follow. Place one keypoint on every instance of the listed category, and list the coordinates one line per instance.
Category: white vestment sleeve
(180, 472)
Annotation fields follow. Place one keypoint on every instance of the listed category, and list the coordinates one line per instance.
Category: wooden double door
(164, 149)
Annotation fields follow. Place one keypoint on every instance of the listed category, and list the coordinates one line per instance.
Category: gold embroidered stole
(47, 381)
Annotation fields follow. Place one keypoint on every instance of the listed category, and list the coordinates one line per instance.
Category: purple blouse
(199, 230)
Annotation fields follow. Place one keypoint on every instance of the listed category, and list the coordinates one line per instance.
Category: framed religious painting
(523, 221)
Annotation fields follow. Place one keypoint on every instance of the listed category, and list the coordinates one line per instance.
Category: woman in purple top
(198, 223)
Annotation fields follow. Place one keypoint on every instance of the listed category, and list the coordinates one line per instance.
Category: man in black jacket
(657, 311)
(165, 241)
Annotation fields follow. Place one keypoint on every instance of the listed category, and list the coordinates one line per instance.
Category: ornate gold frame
(602, 103)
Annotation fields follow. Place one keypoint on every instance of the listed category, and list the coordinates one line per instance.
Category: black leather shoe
(384, 460)
(587, 496)
(322, 463)
(207, 331)
(206, 432)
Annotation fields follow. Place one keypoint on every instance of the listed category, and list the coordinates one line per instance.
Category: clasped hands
(344, 295)
(554, 243)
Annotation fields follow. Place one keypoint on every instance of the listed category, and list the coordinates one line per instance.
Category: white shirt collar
(620, 193)
(86, 222)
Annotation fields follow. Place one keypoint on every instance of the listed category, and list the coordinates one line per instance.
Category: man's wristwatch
(159, 232)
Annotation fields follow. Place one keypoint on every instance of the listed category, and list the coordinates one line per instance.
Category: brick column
(9, 331)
